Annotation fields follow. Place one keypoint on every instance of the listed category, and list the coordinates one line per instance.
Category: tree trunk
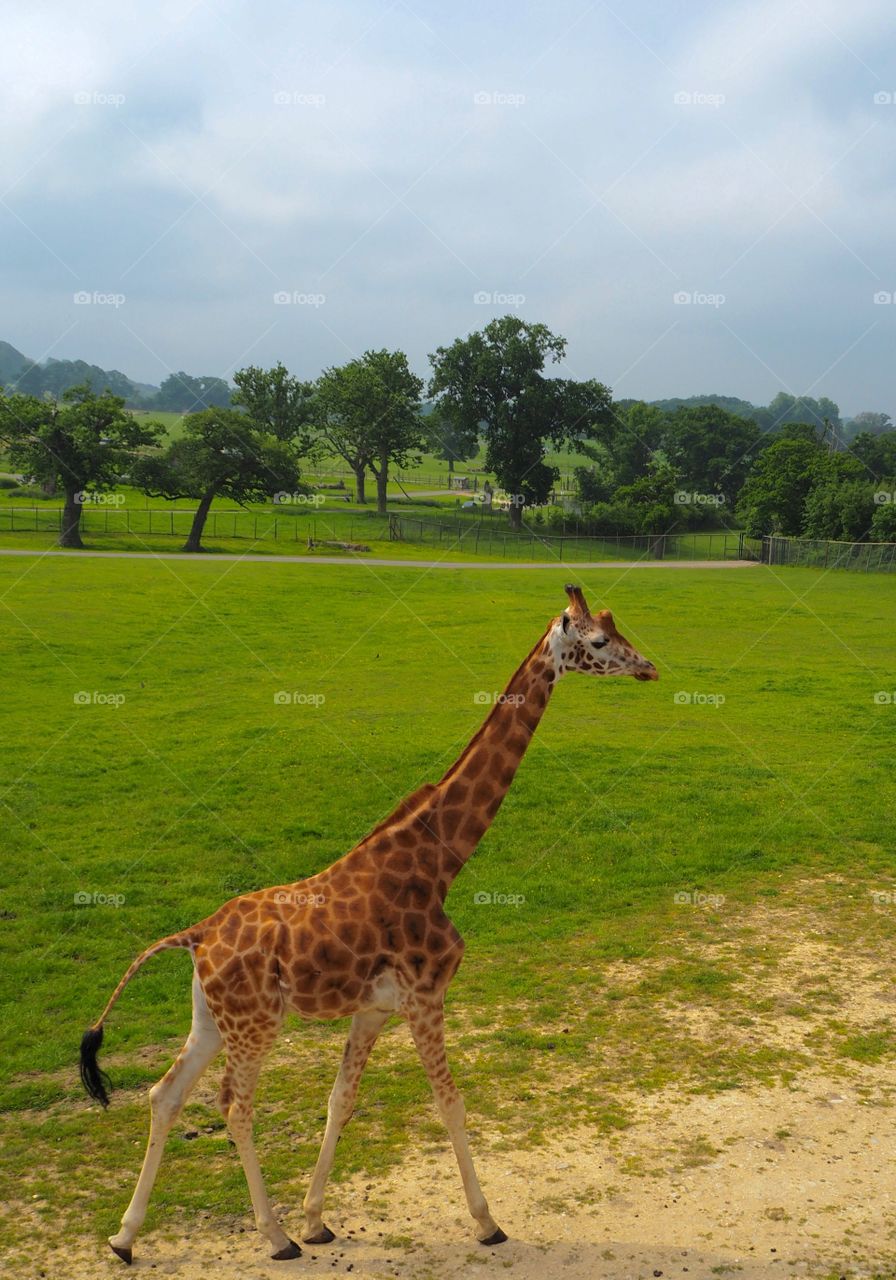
(359, 485)
(194, 541)
(382, 480)
(450, 464)
(515, 512)
(70, 536)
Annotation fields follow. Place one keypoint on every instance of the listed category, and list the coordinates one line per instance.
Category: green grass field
(198, 786)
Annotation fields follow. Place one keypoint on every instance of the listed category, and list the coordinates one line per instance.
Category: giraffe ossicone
(367, 938)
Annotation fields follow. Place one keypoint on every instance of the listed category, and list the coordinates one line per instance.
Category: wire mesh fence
(814, 553)
(490, 537)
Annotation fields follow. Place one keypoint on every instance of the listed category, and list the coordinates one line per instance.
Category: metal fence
(290, 525)
(493, 538)
(486, 536)
(816, 553)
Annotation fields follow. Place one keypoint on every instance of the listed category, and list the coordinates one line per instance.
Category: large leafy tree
(711, 449)
(876, 452)
(222, 454)
(776, 489)
(637, 438)
(183, 393)
(82, 444)
(368, 412)
(277, 402)
(494, 381)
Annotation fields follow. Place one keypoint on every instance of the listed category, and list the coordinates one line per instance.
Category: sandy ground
(767, 1181)
(772, 1183)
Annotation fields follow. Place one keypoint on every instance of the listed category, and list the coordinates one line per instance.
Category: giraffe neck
(466, 799)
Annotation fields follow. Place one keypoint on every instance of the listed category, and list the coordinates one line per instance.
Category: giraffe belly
(324, 995)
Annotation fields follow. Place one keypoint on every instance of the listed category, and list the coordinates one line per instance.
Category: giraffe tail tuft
(93, 1078)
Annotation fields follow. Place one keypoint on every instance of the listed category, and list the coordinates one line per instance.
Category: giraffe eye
(599, 644)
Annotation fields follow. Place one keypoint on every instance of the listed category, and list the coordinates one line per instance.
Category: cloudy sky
(401, 172)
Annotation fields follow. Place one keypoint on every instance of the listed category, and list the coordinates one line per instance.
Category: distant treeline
(188, 393)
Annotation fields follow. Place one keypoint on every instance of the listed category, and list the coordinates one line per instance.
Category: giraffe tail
(93, 1078)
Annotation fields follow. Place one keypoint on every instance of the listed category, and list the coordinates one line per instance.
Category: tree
(638, 435)
(222, 453)
(82, 444)
(876, 452)
(447, 439)
(839, 509)
(182, 393)
(277, 402)
(786, 408)
(775, 491)
(711, 449)
(368, 412)
(869, 421)
(494, 380)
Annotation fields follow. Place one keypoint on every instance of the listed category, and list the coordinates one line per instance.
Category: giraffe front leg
(365, 1028)
(427, 1024)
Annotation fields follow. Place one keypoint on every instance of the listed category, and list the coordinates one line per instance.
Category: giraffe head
(590, 643)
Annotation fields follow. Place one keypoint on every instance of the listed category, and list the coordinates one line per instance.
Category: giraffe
(367, 937)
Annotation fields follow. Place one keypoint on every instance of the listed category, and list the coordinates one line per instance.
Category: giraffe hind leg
(236, 1105)
(362, 1036)
(166, 1101)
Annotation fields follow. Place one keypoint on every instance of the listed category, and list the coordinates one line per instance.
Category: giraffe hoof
(126, 1255)
(497, 1237)
(324, 1236)
(288, 1251)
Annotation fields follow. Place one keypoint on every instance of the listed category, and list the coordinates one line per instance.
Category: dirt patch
(769, 1179)
(767, 1183)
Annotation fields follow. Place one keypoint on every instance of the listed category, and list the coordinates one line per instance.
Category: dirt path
(381, 563)
(774, 1183)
